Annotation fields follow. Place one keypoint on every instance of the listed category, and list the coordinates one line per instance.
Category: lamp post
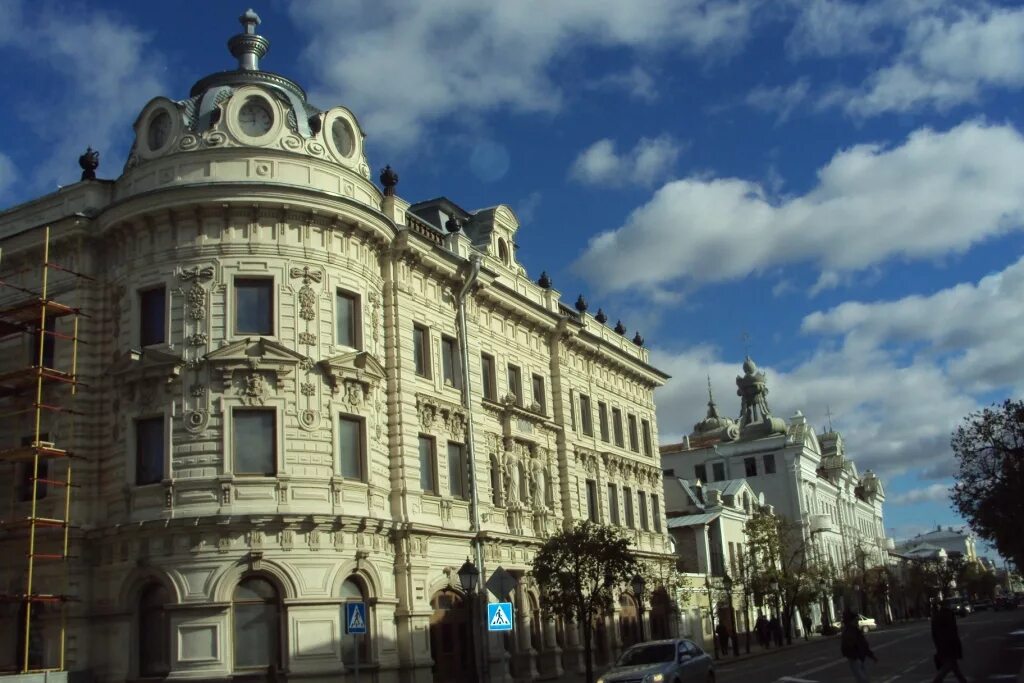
(727, 584)
(469, 577)
(711, 611)
(638, 584)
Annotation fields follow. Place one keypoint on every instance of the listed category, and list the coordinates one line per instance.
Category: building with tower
(301, 390)
(805, 476)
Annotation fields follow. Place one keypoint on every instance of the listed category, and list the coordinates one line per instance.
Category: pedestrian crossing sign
(499, 616)
(355, 618)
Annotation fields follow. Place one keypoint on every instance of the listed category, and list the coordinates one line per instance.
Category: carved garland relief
(196, 414)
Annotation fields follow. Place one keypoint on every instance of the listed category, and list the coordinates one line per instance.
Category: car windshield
(648, 654)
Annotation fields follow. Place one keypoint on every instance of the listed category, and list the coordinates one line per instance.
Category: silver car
(662, 661)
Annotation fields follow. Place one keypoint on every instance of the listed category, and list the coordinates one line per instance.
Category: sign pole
(356, 638)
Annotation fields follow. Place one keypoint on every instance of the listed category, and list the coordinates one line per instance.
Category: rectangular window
(515, 383)
(489, 378)
(750, 466)
(634, 437)
(613, 504)
(718, 469)
(25, 473)
(149, 450)
(538, 394)
(153, 316)
(421, 350)
(769, 463)
(48, 341)
(627, 503)
(450, 365)
(656, 512)
(645, 428)
(617, 427)
(701, 472)
(592, 500)
(586, 419)
(254, 305)
(255, 437)
(458, 473)
(428, 465)
(347, 319)
(641, 498)
(572, 410)
(602, 420)
(351, 460)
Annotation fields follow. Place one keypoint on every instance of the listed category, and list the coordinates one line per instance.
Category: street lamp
(711, 611)
(469, 577)
(638, 584)
(727, 584)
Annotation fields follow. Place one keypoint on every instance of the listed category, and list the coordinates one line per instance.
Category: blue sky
(836, 182)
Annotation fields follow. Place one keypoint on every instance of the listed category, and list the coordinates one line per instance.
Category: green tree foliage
(989, 447)
(577, 570)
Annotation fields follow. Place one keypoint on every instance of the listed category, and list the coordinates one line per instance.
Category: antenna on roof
(828, 411)
(745, 338)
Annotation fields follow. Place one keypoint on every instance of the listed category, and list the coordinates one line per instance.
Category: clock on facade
(159, 129)
(344, 140)
(255, 117)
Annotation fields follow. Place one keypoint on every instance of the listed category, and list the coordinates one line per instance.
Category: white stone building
(949, 539)
(297, 383)
(806, 477)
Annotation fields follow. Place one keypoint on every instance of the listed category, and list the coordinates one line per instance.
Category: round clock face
(159, 129)
(344, 140)
(255, 118)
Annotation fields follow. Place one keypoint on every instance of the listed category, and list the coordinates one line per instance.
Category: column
(526, 656)
(572, 658)
(550, 659)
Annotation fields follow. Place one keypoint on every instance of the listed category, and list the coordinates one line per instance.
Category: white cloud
(780, 100)
(402, 66)
(835, 28)
(649, 161)
(948, 56)
(938, 192)
(106, 69)
(636, 82)
(933, 493)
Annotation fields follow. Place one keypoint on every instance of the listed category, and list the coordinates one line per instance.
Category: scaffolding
(36, 389)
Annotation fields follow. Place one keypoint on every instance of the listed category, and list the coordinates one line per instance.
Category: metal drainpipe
(467, 402)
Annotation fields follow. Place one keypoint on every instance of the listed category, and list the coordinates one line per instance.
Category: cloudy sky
(834, 186)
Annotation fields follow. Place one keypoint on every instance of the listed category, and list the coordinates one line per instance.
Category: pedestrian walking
(948, 650)
(775, 626)
(723, 637)
(854, 646)
(761, 629)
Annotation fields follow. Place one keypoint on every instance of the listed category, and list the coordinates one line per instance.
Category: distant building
(805, 476)
(952, 540)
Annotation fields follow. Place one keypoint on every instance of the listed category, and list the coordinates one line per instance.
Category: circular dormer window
(160, 127)
(341, 133)
(342, 136)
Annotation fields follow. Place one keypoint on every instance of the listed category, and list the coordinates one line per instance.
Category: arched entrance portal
(451, 639)
(661, 611)
(629, 625)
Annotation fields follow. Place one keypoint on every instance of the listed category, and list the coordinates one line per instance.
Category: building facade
(301, 390)
(952, 541)
(805, 476)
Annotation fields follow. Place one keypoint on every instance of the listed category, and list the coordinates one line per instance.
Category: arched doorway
(451, 638)
(661, 615)
(629, 623)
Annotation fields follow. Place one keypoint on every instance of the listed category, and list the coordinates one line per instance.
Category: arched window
(154, 632)
(503, 251)
(352, 591)
(257, 624)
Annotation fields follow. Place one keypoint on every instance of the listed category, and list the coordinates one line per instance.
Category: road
(993, 651)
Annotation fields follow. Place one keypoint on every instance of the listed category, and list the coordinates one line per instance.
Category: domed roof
(230, 114)
(712, 422)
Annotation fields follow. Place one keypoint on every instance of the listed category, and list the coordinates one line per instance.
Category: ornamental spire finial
(248, 47)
